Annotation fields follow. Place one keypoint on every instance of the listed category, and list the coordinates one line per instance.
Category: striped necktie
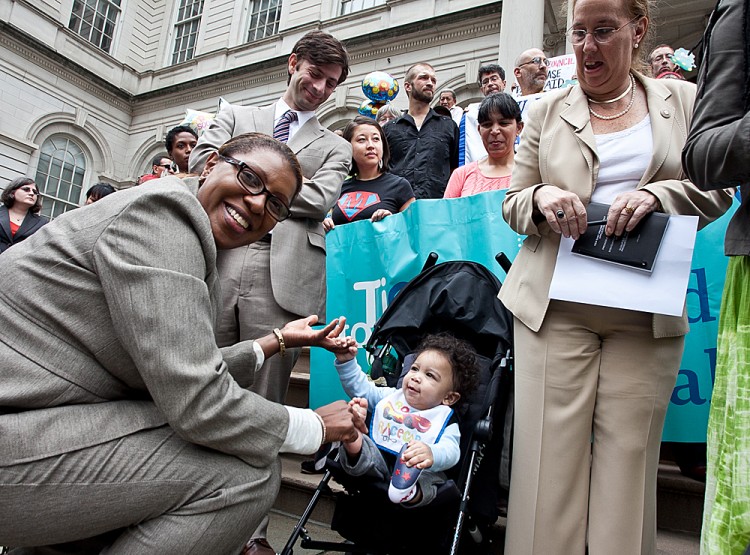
(281, 129)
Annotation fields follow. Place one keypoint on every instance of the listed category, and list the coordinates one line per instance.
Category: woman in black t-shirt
(371, 192)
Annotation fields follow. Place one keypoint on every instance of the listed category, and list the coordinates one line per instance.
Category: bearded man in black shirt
(424, 144)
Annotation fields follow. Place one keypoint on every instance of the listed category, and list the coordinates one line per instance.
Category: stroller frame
(481, 434)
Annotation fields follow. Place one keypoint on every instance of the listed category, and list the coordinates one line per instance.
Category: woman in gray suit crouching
(120, 419)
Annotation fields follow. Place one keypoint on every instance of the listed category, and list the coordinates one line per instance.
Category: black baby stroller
(459, 297)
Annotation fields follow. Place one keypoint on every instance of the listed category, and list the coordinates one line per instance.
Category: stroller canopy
(457, 296)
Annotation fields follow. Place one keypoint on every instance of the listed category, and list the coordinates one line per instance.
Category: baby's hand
(358, 408)
(418, 454)
(345, 348)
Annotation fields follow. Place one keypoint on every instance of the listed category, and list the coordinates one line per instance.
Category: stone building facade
(88, 88)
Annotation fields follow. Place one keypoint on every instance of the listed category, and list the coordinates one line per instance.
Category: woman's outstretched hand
(300, 333)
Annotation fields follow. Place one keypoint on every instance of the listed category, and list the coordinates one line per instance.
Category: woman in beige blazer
(593, 383)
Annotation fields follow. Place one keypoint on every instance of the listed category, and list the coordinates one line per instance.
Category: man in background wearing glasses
(531, 71)
(161, 166)
(491, 79)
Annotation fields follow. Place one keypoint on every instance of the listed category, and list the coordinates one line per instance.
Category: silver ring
(560, 214)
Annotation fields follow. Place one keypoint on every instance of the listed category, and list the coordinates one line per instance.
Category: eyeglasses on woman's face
(602, 35)
(253, 184)
(27, 189)
(538, 60)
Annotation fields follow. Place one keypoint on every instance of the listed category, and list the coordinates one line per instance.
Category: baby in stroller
(414, 434)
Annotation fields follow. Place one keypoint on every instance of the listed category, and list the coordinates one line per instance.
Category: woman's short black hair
(349, 134)
(461, 356)
(8, 198)
(99, 190)
(499, 104)
(247, 142)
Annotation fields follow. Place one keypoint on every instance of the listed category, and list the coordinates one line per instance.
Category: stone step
(299, 382)
(298, 394)
(303, 362)
(297, 489)
(679, 505)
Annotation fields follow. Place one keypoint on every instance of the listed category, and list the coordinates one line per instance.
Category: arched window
(59, 175)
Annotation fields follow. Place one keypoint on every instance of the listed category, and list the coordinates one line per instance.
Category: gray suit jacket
(298, 244)
(107, 329)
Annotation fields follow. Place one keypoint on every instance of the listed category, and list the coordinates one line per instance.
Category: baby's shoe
(404, 480)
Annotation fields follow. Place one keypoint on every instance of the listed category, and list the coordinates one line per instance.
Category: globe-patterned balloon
(379, 86)
(370, 108)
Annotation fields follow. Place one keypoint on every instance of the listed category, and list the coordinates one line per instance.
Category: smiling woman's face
(237, 217)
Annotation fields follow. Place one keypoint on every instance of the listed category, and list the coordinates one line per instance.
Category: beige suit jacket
(559, 147)
(298, 245)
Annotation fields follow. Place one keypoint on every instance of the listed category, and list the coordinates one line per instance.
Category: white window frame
(353, 6)
(188, 18)
(261, 28)
(91, 17)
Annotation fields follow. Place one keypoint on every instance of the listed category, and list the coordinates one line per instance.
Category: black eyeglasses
(29, 190)
(602, 35)
(538, 60)
(168, 166)
(253, 184)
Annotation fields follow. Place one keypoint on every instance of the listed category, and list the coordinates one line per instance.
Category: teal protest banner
(368, 263)
(687, 416)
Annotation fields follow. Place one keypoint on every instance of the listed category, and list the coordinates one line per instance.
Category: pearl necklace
(619, 114)
(625, 93)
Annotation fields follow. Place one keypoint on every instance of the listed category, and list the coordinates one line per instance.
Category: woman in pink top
(499, 125)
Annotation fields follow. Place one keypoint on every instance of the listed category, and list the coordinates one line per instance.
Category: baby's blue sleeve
(447, 451)
(356, 384)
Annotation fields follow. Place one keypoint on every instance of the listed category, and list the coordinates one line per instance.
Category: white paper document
(581, 279)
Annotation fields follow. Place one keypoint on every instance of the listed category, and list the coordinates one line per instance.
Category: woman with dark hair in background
(372, 192)
(499, 126)
(98, 191)
(19, 214)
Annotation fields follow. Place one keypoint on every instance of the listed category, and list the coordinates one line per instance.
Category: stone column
(521, 28)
